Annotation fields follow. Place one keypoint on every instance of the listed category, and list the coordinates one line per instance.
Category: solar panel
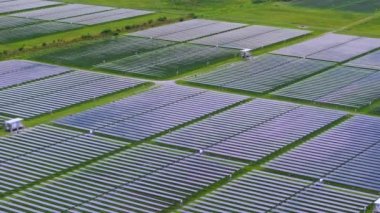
(97, 52)
(61, 12)
(145, 178)
(360, 171)
(34, 30)
(188, 30)
(105, 16)
(316, 45)
(14, 72)
(43, 151)
(267, 39)
(256, 191)
(49, 95)
(17, 5)
(259, 191)
(253, 130)
(317, 198)
(347, 50)
(253, 37)
(370, 61)
(162, 108)
(7, 22)
(261, 74)
(346, 86)
(170, 61)
(234, 35)
(331, 151)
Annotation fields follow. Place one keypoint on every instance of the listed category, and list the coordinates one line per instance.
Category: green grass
(369, 28)
(77, 34)
(277, 14)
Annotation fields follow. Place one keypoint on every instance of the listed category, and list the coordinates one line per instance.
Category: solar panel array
(327, 198)
(7, 22)
(370, 61)
(348, 50)
(346, 86)
(188, 30)
(14, 72)
(361, 171)
(332, 47)
(34, 23)
(44, 151)
(17, 5)
(34, 30)
(253, 130)
(170, 61)
(260, 191)
(147, 178)
(252, 37)
(81, 14)
(98, 52)
(105, 16)
(261, 74)
(61, 12)
(153, 112)
(61, 91)
(347, 146)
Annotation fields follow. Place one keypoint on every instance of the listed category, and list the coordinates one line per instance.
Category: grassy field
(277, 14)
(312, 17)
(281, 14)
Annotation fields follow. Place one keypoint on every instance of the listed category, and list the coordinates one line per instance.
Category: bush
(106, 31)
(163, 18)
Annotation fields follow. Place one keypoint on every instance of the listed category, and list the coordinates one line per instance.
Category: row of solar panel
(151, 113)
(61, 88)
(81, 14)
(147, 178)
(260, 191)
(230, 35)
(346, 154)
(17, 5)
(344, 85)
(49, 20)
